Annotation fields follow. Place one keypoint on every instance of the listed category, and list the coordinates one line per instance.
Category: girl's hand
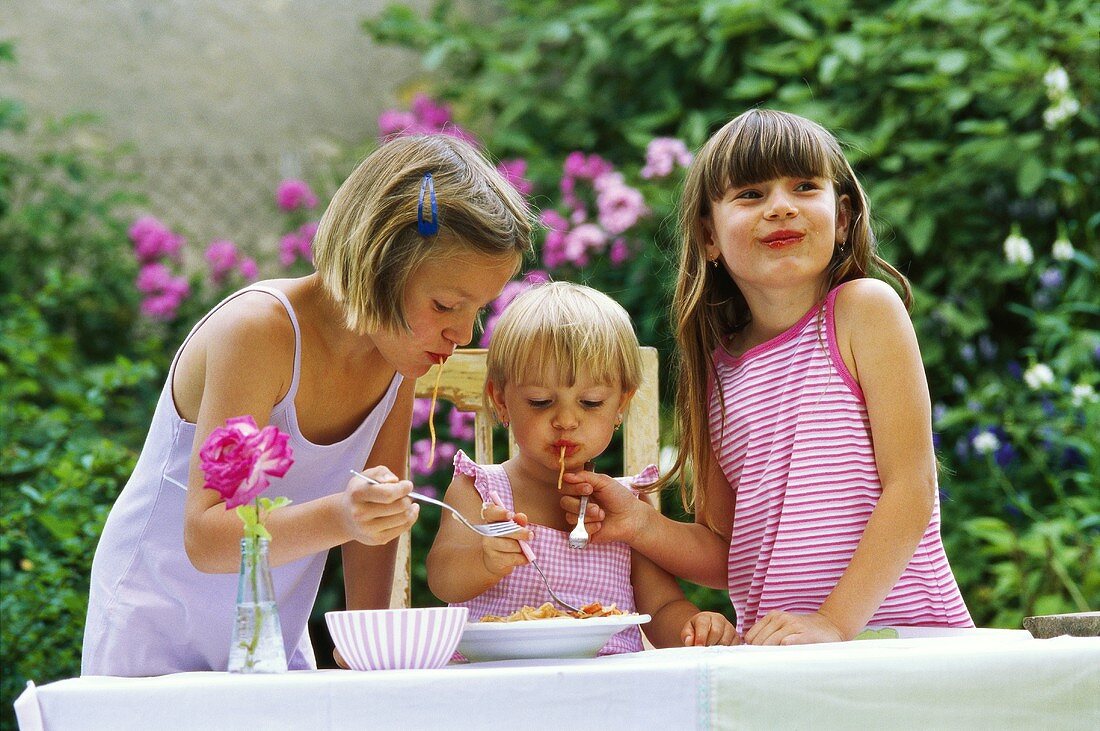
(501, 555)
(376, 514)
(789, 628)
(614, 513)
(709, 628)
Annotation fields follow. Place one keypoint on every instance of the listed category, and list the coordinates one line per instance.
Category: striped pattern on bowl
(394, 639)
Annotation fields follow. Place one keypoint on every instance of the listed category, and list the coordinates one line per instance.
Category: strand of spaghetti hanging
(561, 466)
(430, 227)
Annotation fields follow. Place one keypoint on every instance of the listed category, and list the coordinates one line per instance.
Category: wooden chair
(462, 384)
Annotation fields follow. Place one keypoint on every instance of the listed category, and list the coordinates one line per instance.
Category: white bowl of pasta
(553, 637)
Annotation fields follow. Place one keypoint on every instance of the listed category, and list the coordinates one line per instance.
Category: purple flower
(513, 171)
(1051, 278)
(293, 194)
(222, 256)
(393, 122)
(511, 290)
(289, 247)
(160, 306)
(620, 252)
(248, 269)
(1015, 369)
(153, 278)
(153, 240)
(420, 456)
(662, 155)
(620, 206)
(461, 424)
(430, 113)
(421, 411)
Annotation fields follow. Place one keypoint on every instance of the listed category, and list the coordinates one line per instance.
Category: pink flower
(160, 306)
(420, 454)
(288, 249)
(222, 256)
(248, 269)
(153, 278)
(293, 193)
(662, 155)
(461, 424)
(237, 458)
(421, 410)
(394, 122)
(620, 206)
(511, 290)
(620, 252)
(430, 113)
(153, 240)
(513, 171)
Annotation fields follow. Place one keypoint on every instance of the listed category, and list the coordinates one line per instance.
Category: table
(967, 679)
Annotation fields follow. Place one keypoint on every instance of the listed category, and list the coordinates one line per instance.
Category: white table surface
(971, 679)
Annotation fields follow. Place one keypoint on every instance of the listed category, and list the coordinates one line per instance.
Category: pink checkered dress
(598, 573)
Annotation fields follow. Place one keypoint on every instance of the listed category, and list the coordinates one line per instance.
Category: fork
(578, 537)
(491, 530)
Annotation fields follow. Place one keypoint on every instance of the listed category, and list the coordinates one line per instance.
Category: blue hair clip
(425, 226)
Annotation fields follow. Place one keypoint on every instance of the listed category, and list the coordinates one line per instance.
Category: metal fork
(578, 537)
(493, 530)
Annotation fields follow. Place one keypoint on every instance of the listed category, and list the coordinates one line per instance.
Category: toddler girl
(562, 366)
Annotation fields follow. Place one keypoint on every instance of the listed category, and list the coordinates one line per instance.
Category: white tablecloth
(973, 679)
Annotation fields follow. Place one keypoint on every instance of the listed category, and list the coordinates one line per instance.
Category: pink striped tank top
(598, 573)
(797, 452)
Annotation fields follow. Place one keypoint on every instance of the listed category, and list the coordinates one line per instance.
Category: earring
(506, 423)
(713, 262)
(618, 422)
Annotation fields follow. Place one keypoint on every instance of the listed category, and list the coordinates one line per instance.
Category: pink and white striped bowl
(394, 639)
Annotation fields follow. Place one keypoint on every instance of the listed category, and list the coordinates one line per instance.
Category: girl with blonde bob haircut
(563, 364)
(803, 410)
(422, 235)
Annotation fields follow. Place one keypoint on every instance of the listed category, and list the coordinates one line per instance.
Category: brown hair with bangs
(367, 243)
(566, 329)
(756, 146)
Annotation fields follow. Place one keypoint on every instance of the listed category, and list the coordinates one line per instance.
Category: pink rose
(237, 458)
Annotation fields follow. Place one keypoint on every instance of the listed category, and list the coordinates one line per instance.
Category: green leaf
(1031, 175)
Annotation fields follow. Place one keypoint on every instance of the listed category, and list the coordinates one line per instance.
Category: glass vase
(257, 635)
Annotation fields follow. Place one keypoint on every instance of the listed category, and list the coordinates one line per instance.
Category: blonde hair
(367, 242)
(756, 146)
(566, 329)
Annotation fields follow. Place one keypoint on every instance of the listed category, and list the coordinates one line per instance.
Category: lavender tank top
(598, 573)
(150, 612)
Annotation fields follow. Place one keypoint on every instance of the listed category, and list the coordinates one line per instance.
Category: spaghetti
(431, 411)
(549, 611)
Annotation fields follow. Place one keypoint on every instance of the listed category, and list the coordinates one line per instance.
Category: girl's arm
(676, 621)
(461, 564)
(237, 380)
(693, 551)
(369, 569)
(874, 328)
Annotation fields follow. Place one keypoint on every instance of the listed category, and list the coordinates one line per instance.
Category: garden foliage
(974, 127)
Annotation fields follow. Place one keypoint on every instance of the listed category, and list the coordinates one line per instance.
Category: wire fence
(225, 196)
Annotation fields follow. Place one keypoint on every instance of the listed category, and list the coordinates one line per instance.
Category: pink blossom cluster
(662, 155)
(619, 206)
(461, 424)
(420, 455)
(154, 241)
(426, 116)
(514, 171)
(223, 257)
(511, 290)
(293, 194)
(162, 291)
(238, 457)
(298, 244)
